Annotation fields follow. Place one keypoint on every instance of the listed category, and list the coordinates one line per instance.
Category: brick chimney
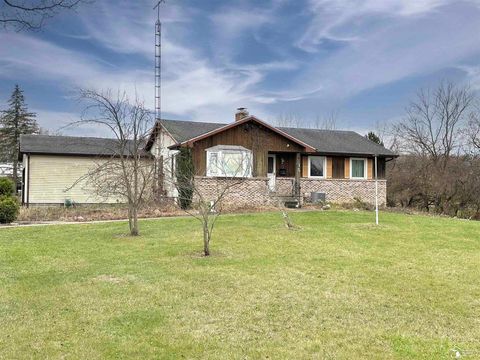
(241, 113)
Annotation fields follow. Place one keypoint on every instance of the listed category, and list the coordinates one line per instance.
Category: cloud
(191, 84)
(55, 120)
(346, 20)
(407, 47)
(473, 75)
(372, 43)
(233, 21)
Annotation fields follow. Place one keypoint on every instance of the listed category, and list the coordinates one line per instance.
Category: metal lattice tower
(159, 186)
(158, 63)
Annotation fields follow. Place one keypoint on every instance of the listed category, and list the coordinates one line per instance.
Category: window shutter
(347, 168)
(304, 166)
(329, 167)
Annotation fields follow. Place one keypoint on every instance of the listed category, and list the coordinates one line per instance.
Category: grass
(337, 288)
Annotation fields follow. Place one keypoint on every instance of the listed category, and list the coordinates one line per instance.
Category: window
(234, 164)
(271, 164)
(213, 163)
(358, 168)
(229, 161)
(316, 166)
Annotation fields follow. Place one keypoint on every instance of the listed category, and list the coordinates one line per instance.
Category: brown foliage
(438, 171)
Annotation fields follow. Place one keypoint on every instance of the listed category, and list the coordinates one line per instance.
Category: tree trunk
(130, 223)
(206, 241)
(134, 228)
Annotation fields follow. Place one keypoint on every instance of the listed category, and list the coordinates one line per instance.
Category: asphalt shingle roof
(70, 145)
(338, 142)
(324, 141)
(186, 130)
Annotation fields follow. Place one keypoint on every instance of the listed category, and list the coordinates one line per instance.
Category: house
(276, 162)
(280, 162)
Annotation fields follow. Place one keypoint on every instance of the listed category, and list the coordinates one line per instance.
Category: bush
(7, 187)
(358, 203)
(69, 203)
(8, 210)
(185, 176)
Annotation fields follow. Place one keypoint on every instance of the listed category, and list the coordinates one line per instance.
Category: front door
(271, 172)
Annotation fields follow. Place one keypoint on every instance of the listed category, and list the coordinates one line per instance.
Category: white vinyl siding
(52, 177)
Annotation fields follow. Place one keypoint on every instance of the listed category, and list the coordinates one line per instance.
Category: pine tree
(15, 121)
(374, 137)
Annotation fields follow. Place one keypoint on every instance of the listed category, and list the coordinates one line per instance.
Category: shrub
(8, 210)
(358, 203)
(185, 175)
(7, 187)
(69, 203)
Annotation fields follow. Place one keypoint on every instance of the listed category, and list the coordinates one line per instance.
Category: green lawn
(337, 288)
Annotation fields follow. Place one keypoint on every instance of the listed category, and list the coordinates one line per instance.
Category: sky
(363, 61)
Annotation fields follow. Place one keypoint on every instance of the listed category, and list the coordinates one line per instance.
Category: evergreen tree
(374, 137)
(15, 121)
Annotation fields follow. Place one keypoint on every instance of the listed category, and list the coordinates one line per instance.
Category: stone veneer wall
(247, 193)
(284, 186)
(345, 190)
(254, 192)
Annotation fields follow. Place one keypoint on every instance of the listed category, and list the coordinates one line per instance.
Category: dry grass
(107, 212)
(91, 213)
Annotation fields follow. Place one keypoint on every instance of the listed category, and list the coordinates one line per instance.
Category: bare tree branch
(207, 206)
(128, 172)
(22, 15)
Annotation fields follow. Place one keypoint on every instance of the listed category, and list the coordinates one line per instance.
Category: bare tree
(433, 125)
(473, 131)
(288, 120)
(322, 122)
(31, 15)
(437, 172)
(206, 203)
(326, 122)
(127, 173)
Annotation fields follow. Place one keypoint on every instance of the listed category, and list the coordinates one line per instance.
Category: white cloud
(385, 41)
(473, 75)
(407, 47)
(191, 85)
(232, 22)
(341, 20)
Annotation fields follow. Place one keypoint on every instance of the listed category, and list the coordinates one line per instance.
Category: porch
(283, 173)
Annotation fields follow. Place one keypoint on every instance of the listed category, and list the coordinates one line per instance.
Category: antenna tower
(158, 63)
(158, 188)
